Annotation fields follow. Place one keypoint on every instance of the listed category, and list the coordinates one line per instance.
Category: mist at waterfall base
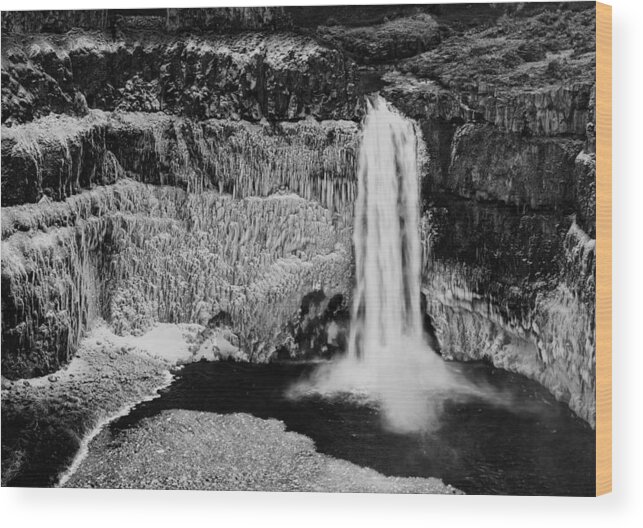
(388, 361)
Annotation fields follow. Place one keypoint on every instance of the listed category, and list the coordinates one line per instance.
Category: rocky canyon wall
(176, 165)
(248, 76)
(155, 178)
(507, 114)
(504, 97)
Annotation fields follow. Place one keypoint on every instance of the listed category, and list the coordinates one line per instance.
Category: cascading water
(386, 303)
(388, 359)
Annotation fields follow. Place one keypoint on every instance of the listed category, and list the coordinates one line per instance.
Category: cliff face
(240, 218)
(506, 109)
(504, 97)
(491, 165)
(221, 20)
(58, 156)
(199, 165)
(249, 76)
(516, 289)
(151, 178)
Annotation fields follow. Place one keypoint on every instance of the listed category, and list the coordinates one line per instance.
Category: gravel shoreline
(46, 419)
(193, 450)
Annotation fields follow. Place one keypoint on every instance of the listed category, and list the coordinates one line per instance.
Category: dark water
(538, 448)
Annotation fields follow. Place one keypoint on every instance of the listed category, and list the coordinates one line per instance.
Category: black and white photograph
(340, 249)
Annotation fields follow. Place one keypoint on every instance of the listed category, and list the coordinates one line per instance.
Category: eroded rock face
(136, 254)
(513, 154)
(560, 109)
(221, 20)
(150, 177)
(168, 219)
(54, 157)
(250, 76)
(209, 136)
(516, 289)
(506, 110)
(585, 190)
(491, 165)
(228, 19)
(59, 156)
(53, 21)
(390, 40)
(505, 107)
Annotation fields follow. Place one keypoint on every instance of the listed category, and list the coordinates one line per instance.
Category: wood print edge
(603, 248)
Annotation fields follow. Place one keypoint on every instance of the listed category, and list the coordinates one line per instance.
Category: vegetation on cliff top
(394, 39)
(553, 46)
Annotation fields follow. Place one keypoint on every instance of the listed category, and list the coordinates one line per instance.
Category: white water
(388, 359)
(386, 303)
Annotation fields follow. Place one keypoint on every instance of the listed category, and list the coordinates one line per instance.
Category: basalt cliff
(199, 166)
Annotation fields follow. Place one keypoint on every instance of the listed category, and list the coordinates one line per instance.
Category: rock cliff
(506, 108)
(155, 177)
(504, 98)
(249, 76)
(143, 218)
(180, 165)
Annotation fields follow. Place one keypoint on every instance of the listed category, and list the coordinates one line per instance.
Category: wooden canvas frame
(603, 248)
(595, 109)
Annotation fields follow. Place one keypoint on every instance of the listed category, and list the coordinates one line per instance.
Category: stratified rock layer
(491, 165)
(506, 110)
(136, 254)
(167, 219)
(396, 39)
(248, 76)
(58, 156)
(149, 176)
(152, 120)
(517, 290)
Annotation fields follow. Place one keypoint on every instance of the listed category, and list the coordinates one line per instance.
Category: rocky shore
(174, 450)
(46, 419)
(190, 450)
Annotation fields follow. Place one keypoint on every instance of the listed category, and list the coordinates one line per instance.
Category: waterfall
(388, 361)
(386, 301)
